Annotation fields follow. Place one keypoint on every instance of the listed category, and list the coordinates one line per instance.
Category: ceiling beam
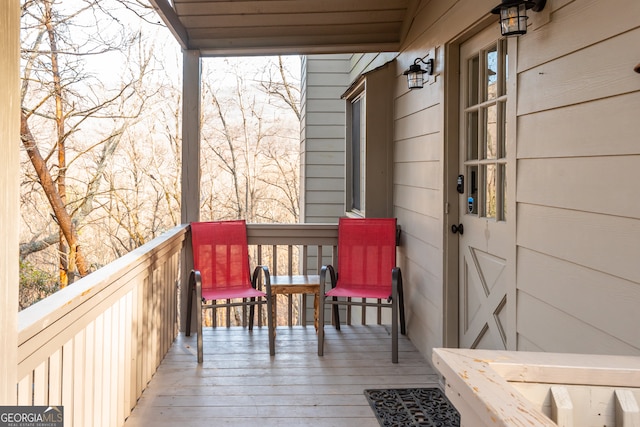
(172, 22)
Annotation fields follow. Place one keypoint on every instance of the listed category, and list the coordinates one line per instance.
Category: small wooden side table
(299, 284)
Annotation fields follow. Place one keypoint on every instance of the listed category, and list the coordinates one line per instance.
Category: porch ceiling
(261, 27)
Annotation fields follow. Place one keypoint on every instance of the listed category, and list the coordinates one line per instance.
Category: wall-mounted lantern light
(513, 15)
(415, 73)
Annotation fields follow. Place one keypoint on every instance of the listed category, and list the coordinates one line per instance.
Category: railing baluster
(55, 379)
(259, 262)
(274, 259)
(303, 317)
(41, 384)
(305, 255)
(290, 273)
(25, 394)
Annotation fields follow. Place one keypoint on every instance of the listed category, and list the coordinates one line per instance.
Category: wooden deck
(240, 384)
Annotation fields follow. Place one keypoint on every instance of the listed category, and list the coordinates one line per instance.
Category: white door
(485, 237)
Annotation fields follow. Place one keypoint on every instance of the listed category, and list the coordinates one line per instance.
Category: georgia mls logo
(31, 416)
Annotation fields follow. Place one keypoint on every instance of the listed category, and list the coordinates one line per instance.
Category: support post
(9, 196)
(190, 207)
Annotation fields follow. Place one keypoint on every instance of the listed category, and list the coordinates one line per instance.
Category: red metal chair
(221, 272)
(366, 269)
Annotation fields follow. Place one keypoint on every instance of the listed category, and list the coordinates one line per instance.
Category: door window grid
(486, 127)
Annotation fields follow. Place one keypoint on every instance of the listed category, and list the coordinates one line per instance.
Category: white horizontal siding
(578, 211)
(557, 282)
(583, 129)
(324, 137)
(550, 327)
(329, 158)
(606, 243)
(326, 184)
(605, 70)
(583, 183)
(325, 106)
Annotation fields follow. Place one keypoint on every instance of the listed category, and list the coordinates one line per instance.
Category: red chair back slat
(366, 254)
(220, 253)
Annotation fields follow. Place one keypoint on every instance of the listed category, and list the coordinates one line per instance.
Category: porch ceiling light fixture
(513, 15)
(415, 73)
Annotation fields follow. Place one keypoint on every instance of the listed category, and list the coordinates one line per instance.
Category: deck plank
(239, 384)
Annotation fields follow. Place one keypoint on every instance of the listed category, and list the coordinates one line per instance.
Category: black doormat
(411, 407)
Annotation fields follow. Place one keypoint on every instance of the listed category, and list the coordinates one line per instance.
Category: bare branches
(62, 105)
(279, 84)
(254, 143)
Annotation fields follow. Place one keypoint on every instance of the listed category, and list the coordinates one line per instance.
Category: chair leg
(270, 326)
(397, 304)
(270, 299)
(394, 332)
(321, 323)
(403, 325)
(198, 283)
(336, 314)
(252, 310)
(192, 289)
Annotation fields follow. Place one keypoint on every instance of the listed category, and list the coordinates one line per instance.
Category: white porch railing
(93, 346)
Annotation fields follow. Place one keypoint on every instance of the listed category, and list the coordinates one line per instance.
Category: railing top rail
(292, 234)
(42, 314)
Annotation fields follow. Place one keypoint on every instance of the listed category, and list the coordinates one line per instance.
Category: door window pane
(474, 77)
(491, 129)
(504, 69)
(472, 135)
(502, 129)
(489, 182)
(491, 58)
(503, 191)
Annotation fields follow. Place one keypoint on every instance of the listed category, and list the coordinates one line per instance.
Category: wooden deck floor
(239, 384)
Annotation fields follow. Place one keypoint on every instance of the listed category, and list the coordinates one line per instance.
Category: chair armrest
(396, 282)
(195, 279)
(195, 284)
(266, 278)
(323, 278)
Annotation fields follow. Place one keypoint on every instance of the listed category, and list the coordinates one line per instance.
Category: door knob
(459, 228)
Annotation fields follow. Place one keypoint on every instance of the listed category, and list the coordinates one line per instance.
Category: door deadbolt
(460, 184)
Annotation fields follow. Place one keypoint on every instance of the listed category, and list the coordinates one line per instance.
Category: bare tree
(102, 155)
(59, 101)
(251, 142)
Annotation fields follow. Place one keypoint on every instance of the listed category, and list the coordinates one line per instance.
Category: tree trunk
(65, 258)
(44, 176)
